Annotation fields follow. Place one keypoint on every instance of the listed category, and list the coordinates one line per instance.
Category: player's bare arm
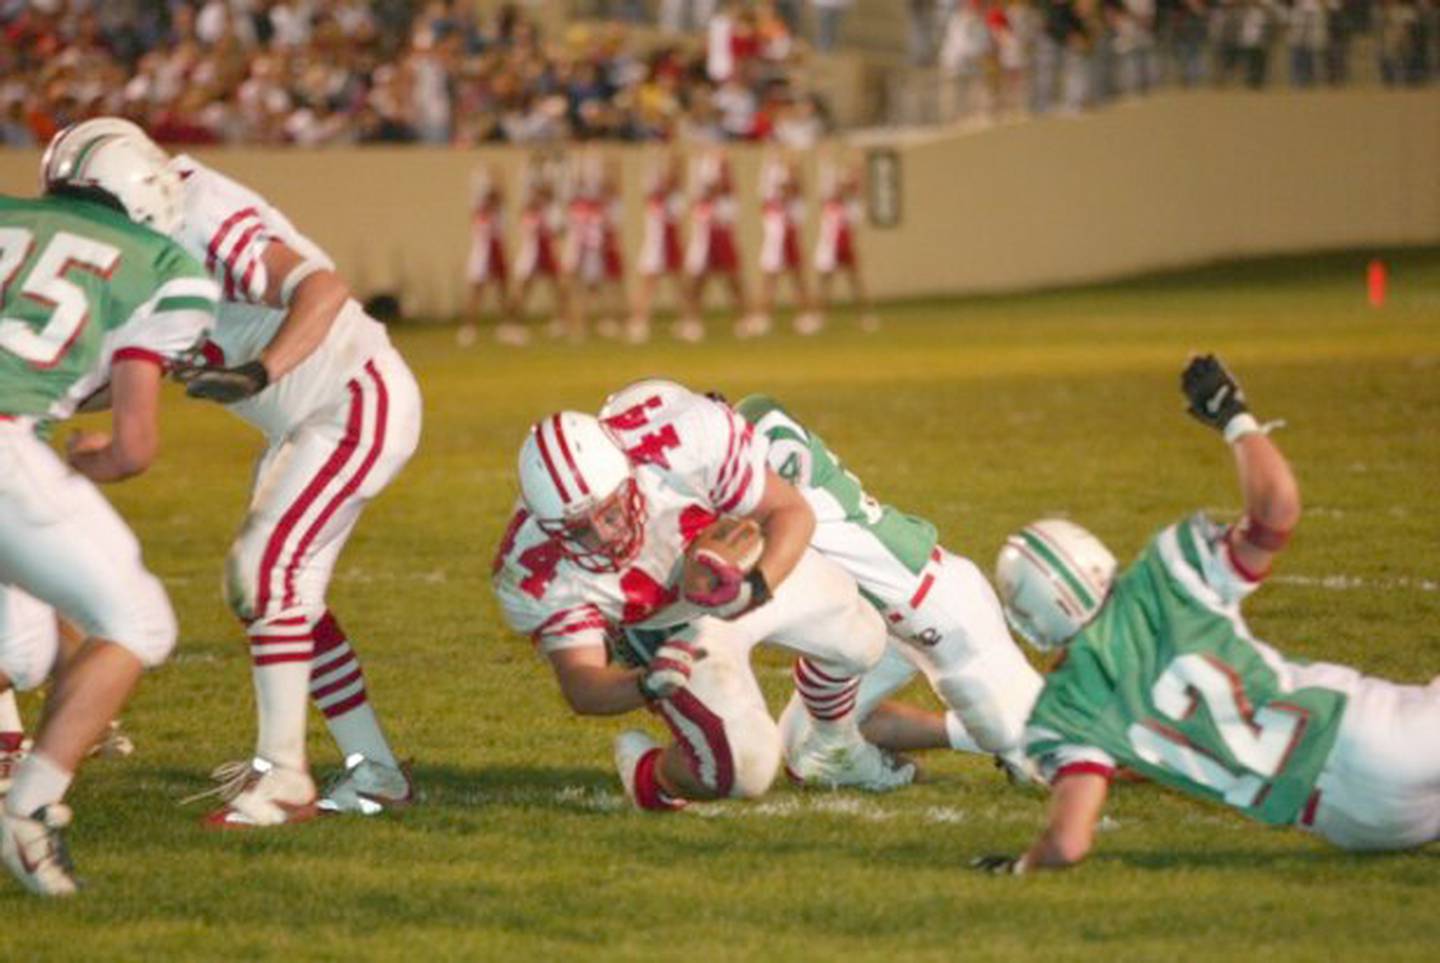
(135, 433)
(1272, 496)
(1076, 800)
(593, 687)
(313, 296)
(787, 524)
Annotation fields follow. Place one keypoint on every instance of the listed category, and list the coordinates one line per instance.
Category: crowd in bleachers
(320, 72)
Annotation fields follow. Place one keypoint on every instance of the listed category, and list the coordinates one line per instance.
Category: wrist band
(759, 588)
(1241, 425)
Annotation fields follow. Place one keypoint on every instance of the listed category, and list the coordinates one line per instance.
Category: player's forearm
(313, 309)
(1272, 495)
(112, 463)
(602, 690)
(787, 530)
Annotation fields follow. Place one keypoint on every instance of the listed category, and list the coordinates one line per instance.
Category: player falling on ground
(593, 558)
(593, 261)
(485, 267)
(1160, 674)
(712, 250)
(836, 250)
(89, 299)
(537, 256)
(782, 210)
(944, 619)
(297, 357)
(660, 253)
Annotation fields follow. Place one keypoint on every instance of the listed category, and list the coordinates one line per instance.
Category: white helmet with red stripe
(579, 485)
(1053, 577)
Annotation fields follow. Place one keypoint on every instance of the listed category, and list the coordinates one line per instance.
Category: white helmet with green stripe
(1053, 577)
(115, 156)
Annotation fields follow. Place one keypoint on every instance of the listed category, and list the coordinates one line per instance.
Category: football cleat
(114, 744)
(632, 748)
(368, 787)
(33, 849)
(259, 794)
(831, 764)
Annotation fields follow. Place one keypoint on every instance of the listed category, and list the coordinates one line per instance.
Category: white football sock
(38, 782)
(281, 705)
(10, 713)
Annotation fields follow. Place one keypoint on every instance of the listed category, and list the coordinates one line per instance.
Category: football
(736, 542)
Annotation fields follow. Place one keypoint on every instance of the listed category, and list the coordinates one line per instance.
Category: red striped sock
(828, 697)
(337, 684)
(273, 641)
(648, 793)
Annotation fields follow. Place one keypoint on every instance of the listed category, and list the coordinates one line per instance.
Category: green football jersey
(80, 285)
(882, 548)
(1168, 681)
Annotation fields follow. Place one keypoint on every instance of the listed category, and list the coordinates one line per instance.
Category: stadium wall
(1173, 180)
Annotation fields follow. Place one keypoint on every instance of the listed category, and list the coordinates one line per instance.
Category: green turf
(980, 414)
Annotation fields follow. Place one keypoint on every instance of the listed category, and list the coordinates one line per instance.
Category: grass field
(980, 414)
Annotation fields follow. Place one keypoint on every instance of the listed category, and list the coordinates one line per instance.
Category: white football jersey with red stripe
(226, 226)
(695, 459)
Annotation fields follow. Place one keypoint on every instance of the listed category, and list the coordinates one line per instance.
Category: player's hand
(670, 670)
(85, 443)
(1215, 396)
(224, 385)
(998, 864)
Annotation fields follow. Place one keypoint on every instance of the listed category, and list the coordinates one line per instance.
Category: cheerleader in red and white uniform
(712, 250)
(782, 209)
(661, 255)
(485, 267)
(537, 256)
(835, 247)
(592, 248)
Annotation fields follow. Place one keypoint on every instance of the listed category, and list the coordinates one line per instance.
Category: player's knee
(150, 631)
(756, 758)
(993, 715)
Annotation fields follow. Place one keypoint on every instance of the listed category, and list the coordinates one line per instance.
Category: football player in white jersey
(590, 568)
(295, 355)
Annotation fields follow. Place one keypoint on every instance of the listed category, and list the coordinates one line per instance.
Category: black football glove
(1214, 395)
(225, 385)
(998, 865)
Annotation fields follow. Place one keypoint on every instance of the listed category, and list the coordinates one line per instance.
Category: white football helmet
(1053, 577)
(580, 486)
(113, 155)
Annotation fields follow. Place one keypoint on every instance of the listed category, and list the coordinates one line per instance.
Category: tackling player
(1161, 675)
(90, 298)
(944, 619)
(590, 568)
(296, 356)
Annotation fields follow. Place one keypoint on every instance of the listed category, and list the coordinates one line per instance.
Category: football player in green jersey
(1161, 675)
(943, 617)
(93, 299)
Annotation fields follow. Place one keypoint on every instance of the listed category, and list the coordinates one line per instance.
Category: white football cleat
(833, 764)
(368, 787)
(631, 746)
(33, 849)
(261, 794)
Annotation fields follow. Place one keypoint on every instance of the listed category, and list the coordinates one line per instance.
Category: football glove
(999, 865)
(1215, 396)
(224, 385)
(670, 670)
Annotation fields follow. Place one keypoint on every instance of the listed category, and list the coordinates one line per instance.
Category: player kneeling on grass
(1161, 675)
(660, 524)
(943, 618)
(90, 298)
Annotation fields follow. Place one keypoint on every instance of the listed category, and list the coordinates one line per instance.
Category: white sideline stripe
(1346, 583)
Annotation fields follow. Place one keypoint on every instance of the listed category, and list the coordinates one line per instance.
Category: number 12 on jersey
(1260, 741)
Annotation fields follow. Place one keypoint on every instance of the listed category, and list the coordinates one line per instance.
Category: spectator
(829, 17)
